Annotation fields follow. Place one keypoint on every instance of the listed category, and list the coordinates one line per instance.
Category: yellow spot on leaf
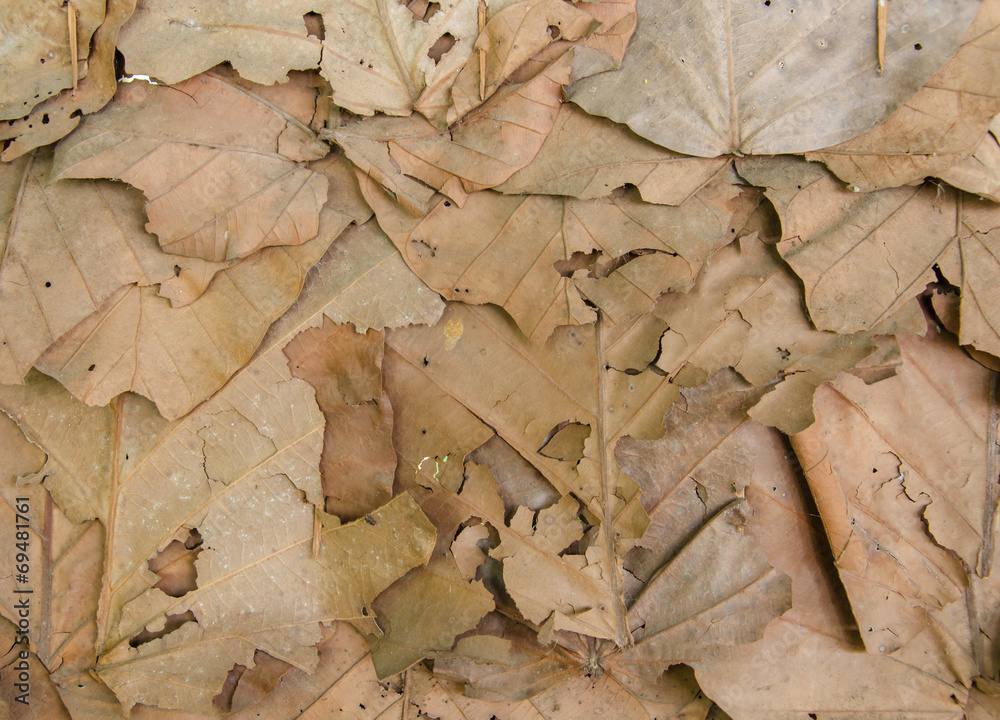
(452, 332)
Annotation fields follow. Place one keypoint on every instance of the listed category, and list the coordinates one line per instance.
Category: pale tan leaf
(979, 243)
(343, 679)
(70, 246)
(505, 249)
(745, 312)
(586, 157)
(212, 193)
(939, 126)
(53, 118)
(37, 57)
(874, 497)
(262, 40)
(978, 174)
(376, 54)
(746, 76)
(511, 37)
(856, 253)
(484, 149)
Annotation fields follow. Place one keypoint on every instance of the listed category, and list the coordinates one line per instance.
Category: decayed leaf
(680, 616)
(70, 246)
(751, 77)
(876, 483)
(588, 157)
(939, 126)
(363, 280)
(344, 681)
(228, 469)
(436, 376)
(345, 368)
(410, 156)
(262, 40)
(511, 37)
(744, 312)
(979, 244)
(212, 193)
(377, 56)
(55, 117)
(810, 662)
(979, 174)
(37, 56)
(862, 257)
(505, 250)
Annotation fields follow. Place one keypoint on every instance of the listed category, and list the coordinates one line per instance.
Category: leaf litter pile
(511, 360)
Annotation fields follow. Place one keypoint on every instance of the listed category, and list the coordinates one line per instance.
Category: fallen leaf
(979, 244)
(978, 174)
(677, 618)
(744, 312)
(69, 247)
(358, 460)
(875, 494)
(589, 157)
(212, 193)
(37, 58)
(855, 252)
(377, 56)
(512, 37)
(344, 678)
(936, 128)
(505, 250)
(409, 156)
(53, 118)
(753, 78)
(262, 40)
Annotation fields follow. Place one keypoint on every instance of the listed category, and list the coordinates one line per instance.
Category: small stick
(482, 52)
(73, 51)
(883, 21)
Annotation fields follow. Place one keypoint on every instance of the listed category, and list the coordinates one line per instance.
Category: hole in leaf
(422, 10)
(918, 46)
(76, 113)
(172, 623)
(314, 25)
(565, 442)
(175, 565)
(554, 32)
(47, 283)
(767, 3)
(91, 368)
(440, 47)
(45, 119)
(177, 270)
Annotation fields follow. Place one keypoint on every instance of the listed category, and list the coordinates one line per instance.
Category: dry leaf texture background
(499, 359)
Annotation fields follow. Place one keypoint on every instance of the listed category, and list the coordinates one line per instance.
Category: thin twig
(482, 52)
(73, 50)
(883, 21)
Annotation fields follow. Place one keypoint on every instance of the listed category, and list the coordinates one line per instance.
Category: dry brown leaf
(875, 491)
(410, 156)
(345, 368)
(979, 174)
(511, 37)
(506, 250)
(53, 118)
(979, 245)
(858, 254)
(69, 247)
(344, 682)
(751, 77)
(212, 193)
(936, 128)
(436, 377)
(37, 58)
(262, 40)
(588, 157)
(810, 661)
(680, 616)
(234, 463)
(745, 312)
(378, 57)
(605, 48)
